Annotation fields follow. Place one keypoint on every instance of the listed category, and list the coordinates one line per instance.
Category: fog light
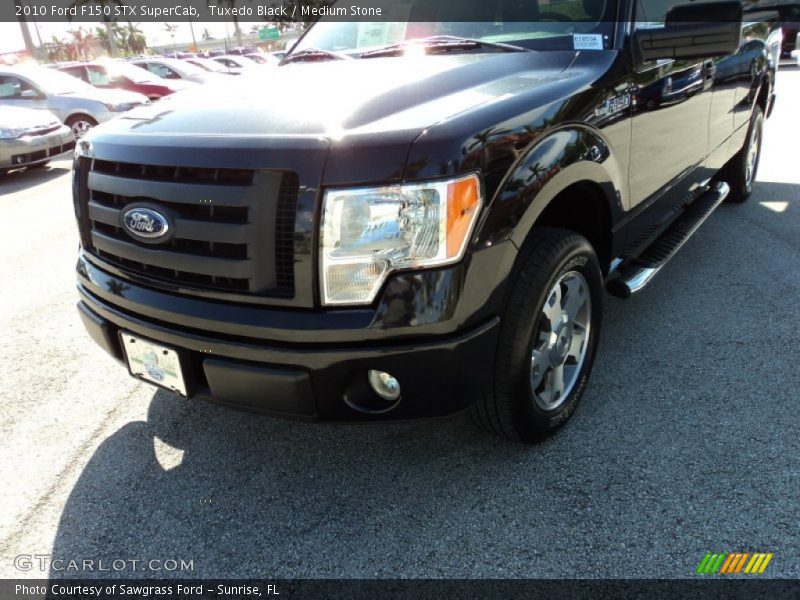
(383, 384)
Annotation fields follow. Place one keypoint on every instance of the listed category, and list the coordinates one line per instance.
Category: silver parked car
(31, 138)
(173, 68)
(77, 104)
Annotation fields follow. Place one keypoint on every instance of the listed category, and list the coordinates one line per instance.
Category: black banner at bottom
(357, 589)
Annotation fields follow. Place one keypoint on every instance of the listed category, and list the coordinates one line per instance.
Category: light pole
(191, 28)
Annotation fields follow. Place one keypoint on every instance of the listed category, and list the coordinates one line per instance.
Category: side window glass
(155, 69)
(163, 71)
(13, 87)
(8, 87)
(98, 77)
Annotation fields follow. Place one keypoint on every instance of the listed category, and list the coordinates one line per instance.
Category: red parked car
(125, 76)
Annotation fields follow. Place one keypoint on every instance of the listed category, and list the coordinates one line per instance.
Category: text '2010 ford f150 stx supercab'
(413, 219)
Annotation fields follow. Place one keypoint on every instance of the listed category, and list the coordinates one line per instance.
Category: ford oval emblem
(145, 223)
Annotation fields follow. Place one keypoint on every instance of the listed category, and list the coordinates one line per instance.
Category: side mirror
(692, 31)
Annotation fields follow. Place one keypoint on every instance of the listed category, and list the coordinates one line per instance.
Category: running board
(638, 273)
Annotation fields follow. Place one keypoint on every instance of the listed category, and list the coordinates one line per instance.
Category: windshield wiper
(442, 44)
(313, 54)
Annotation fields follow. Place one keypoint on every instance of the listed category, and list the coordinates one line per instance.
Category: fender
(561, 158)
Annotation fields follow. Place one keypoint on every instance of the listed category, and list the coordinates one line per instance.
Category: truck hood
(336, 99)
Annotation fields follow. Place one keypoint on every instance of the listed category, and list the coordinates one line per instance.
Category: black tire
(510, 409)
(736, 171)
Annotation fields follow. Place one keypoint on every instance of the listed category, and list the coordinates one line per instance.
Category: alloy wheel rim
(81, 128)
(561, 341)
(752, 156)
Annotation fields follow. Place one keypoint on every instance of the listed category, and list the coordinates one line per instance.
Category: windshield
(533, 24)
(55, 82)
(181, 66)
(208, 65)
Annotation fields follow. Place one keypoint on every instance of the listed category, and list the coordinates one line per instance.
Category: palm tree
(101, 34)
(57, 49)
(171, 29)
(78, 43)
(137, 42)
(121, 34)
(112, 41)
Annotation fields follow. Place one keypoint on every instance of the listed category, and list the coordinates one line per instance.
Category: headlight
(368, 233)
(122, 107)
(10, 133)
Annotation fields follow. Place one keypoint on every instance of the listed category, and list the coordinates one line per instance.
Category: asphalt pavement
(686, 441)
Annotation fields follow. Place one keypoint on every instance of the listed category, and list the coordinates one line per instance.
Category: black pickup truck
(418, 218)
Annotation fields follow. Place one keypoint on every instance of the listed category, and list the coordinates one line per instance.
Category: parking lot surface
(686, 441)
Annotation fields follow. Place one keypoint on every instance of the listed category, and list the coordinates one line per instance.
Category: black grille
(231, 229)
(179, 174)
(284, 230)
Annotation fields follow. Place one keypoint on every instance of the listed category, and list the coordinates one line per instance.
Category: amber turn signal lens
(463, 202)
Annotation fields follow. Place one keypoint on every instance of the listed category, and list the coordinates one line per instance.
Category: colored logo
(734, 562)
(153, 368)
(145, 223)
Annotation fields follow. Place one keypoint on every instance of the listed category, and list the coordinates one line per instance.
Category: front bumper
(310, 380)
(31, 150)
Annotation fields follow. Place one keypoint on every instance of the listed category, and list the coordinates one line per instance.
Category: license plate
(154, 363)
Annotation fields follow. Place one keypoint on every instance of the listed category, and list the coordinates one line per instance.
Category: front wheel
(548, 338)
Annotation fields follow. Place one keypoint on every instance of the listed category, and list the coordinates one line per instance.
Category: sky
(11, 36)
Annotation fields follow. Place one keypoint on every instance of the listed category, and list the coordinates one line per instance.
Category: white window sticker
(588, 41)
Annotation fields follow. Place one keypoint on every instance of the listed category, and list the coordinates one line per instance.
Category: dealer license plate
(154, 363)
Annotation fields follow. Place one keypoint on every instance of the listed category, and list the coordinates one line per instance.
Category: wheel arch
(80, 113)
(570, 179)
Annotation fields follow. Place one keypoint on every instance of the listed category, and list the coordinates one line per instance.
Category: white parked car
(77, 104)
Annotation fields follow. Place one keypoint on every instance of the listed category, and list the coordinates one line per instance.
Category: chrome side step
(635, 275)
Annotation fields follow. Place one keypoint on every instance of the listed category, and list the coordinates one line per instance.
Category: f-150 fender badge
(613, 105)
